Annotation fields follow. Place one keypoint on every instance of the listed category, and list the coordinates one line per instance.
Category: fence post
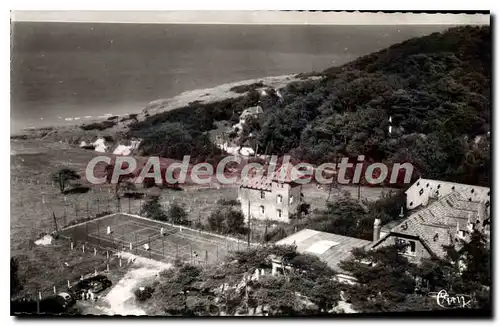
(88, 209)
(149, 242)
(97, 206)
(38, 299)
(135, 242)
(98, 233)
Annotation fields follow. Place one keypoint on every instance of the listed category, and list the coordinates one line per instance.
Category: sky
(249, 17)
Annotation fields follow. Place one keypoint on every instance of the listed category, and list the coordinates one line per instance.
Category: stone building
(442, 222)
(423, 190)
(269, 197)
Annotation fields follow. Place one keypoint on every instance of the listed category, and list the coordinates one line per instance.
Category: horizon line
(247, 18)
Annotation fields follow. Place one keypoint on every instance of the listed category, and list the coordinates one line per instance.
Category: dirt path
(120, 300)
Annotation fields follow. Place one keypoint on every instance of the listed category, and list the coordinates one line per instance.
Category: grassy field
(34, 199)
(43, 267)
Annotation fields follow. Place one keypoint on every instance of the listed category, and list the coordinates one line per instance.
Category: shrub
(228, 202)
(177, 214)
(144, 294)
(153, 210)
(99, 125)
(245, 88)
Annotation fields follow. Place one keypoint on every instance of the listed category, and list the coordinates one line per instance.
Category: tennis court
(153, 239)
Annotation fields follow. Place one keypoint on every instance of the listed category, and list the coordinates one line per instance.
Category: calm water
(66, 70)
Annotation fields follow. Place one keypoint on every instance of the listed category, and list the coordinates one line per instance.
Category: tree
(303, 209)
(466, 269)
(153, 210)
(216, 221)
(177, 214)
(235, 221)
(385, 278)
(226, 219)
(63, 177)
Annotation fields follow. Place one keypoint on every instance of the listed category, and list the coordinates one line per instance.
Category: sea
(62, 73)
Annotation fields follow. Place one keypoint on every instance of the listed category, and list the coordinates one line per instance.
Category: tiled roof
(330, 248)
(257, 182)
(251, 111)
(436, 224)
(263, 182)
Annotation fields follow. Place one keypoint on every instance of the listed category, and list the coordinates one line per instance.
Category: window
(262, 195)
(411, 203)
(410, 247)
(262, 209)
(439, 186)
(279, 212)
(472, 191)
(291, 199)
(280, 199)
(413, 247)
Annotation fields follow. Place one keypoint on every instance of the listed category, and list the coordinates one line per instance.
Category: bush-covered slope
(435, 88)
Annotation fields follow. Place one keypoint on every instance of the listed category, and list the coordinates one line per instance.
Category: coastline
(65, 132)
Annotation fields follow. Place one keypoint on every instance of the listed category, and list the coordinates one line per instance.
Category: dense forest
(435, 88)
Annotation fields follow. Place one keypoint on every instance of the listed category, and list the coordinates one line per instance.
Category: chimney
(376, 229)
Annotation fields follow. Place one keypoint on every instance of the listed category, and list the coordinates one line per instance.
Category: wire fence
(156, 240)
(57, 211)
